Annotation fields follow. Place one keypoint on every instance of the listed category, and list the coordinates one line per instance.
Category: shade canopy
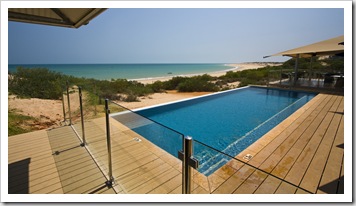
(334, 46)
(65, 17)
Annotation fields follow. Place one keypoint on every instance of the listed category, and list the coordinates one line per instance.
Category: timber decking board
(26, 174)
(309, 139)
(268, 186)
(305, 151)
(77, 170)
(296, 173)
(315, 170)
(333, 164)
(274, 139)
(296, 149)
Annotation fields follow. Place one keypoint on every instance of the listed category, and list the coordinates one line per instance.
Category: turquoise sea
(127, 71)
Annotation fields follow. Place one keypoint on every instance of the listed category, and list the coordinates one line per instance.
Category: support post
(64, 111)
(82, 116)
(188, 150)
(188, 161)
(296, 70)
(310, 69)
(70, 114)
(181, 156)
(108, 139)
(95, 95)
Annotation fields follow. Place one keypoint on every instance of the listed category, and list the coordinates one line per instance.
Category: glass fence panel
(144, 154)
(136, 155)
(220, 173)
(281, 77)
(73, 104)
(139, 155)
(77, 169)
(93, 104)
(71, 108)
(328, 79)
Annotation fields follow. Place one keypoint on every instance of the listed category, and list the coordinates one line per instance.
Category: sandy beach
(49, 113)
(237, 67)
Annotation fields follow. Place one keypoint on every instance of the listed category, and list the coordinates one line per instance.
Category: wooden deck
(303, 154)
(305, 151)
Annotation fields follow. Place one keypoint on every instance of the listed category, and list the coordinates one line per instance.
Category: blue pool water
(228, 121)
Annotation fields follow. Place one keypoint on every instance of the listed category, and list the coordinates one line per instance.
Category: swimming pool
(227, 121)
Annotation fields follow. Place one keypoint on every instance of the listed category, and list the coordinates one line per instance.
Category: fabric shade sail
(334, 46)
(64, 17)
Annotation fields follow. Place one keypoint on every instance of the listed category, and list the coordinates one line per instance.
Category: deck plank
(299, 168)
(168, 186)
(231, 184)
(141, 175)
(305, 152)
(277, 138)
(250, 185)
(156, 182)
(32, 169)
(76, 168)
(315, 170)
(290, 148)
(268, 186)
(301, 139)
(286, 188)
(329, 181)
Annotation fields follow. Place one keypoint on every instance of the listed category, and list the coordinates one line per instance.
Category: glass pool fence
(319, 79)
(133, 164)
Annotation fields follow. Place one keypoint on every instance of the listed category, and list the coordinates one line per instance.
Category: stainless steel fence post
(70, 115)
(188, 161)
(64, 110)
(81, 115)
(188, 150)
(107, 112)
(181, 155)
(95, 99)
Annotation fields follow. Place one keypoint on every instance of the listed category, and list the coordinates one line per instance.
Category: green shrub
(157, 86)
(45, 84)
(131, 98)
(15, 121)
(173, 83)
(36, 83)
(197, 85)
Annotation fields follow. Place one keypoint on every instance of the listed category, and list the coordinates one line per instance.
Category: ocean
(127, 71)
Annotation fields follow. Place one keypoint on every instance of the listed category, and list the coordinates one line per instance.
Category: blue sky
(175, 36)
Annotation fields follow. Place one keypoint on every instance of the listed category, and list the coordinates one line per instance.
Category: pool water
(227, 121)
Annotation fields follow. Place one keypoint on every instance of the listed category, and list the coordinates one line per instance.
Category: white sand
(237, 67)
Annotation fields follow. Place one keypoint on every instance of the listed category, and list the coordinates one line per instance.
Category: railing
(128, 161)
(164, 165)
(122, 150)
(321, 79)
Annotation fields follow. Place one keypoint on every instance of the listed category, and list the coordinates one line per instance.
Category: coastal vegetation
(18, 123)
(45, 84)
(200, 83)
